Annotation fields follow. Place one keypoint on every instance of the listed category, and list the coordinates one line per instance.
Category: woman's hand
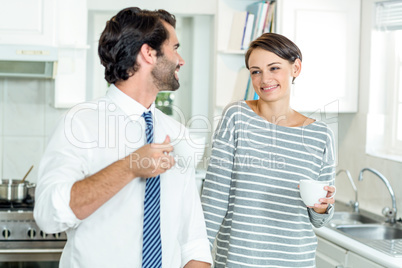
(322, 207)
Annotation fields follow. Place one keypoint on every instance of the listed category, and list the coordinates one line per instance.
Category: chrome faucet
(390, 214)
(354, 204)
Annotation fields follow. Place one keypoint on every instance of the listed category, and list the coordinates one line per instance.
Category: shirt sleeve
(216, 189)
(64, 162)
(327, 173)
(194, 242)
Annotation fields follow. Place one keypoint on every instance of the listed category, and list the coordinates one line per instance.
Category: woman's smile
(269, 88)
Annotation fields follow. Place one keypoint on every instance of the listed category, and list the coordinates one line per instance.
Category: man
(94, 175)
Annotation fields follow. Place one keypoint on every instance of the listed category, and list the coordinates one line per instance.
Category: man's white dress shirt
(90, 137)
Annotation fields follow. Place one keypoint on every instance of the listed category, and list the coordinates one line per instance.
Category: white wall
(27, 118)
(373, 195)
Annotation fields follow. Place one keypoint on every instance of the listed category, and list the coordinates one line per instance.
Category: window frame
(396, 105)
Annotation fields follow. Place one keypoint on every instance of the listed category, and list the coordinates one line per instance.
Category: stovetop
(27, 204)
(17, 223)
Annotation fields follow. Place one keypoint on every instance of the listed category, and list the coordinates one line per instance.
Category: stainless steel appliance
(22, 243)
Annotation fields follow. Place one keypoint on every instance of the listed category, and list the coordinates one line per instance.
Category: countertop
(357, 246)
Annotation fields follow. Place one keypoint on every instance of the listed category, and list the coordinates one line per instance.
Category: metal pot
(13, 190)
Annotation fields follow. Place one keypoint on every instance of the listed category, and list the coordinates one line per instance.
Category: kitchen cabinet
(70, 84)
(70, 81)
(51, 23)
(356, 261)
(28, 22)
(331, 255)
(43, 22)
(328, 35)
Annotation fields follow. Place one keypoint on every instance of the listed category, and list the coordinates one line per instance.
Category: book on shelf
(241, 84)
(256, 9)
(259, 10)
(264, 18)
(264, 14)
(248, 31)
(269, 20)
(237, 30)
(241, 30)
(256, 97)
(250, 92)
(243, 89)
(273, 26)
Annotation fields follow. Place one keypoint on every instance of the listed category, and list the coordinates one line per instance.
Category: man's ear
(147, 54)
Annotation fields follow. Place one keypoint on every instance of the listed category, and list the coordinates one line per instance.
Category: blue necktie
(151, 246)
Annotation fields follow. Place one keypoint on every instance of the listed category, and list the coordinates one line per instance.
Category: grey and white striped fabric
(251, 200)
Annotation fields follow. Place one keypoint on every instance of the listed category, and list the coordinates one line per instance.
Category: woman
(262, 149)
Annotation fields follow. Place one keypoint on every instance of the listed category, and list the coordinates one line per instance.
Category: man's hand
(152, 159)
(89, 194)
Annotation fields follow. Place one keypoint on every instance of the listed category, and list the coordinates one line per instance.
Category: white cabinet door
(70, 84)
(357, 261)
(30, 22)
(324, 261)
(327, 33)
(329, 255)
(72, 20)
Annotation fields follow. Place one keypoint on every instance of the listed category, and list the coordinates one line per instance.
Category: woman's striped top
(252, 206)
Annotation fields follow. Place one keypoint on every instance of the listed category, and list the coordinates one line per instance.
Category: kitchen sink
(369, 229)
(350, 218)
(372, 231)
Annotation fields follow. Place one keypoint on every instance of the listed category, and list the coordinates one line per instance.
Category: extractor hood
(28, 61)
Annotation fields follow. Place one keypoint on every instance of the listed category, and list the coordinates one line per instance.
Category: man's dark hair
(123, 36)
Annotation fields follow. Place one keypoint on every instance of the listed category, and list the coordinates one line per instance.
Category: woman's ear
(296, 68)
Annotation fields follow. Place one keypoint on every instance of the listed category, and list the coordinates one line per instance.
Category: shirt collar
(130, 107)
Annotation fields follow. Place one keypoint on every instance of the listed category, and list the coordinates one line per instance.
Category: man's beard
(164, 75)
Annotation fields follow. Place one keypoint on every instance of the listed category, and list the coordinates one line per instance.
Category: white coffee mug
(312, 191)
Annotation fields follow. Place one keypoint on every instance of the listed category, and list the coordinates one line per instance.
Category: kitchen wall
(26, 121)
(372, 193)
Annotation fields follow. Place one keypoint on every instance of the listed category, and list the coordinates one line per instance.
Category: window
(384, 125)
(164, 102)
(396, 114)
